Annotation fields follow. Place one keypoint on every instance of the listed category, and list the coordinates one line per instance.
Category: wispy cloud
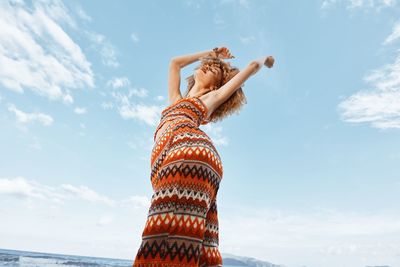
(88, 194)
(380, 105)
(215, 133)
(149, 114)
(359, 4)
(82, 14)
(296, 238)
(35, 144)
(79, 110)
(394, 35)
(37, 54)
(135, 37)
(23, 188)
(193, 3)
(247, 39)
(219, 21)
(118, 82)
(125, 99)
(25, 117)
(107, 105)
(39, 214)
(106, 49)
(240, 3)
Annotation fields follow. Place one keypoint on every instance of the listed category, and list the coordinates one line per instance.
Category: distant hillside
(234, 260)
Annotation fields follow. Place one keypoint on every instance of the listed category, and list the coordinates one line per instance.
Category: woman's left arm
(226, 90)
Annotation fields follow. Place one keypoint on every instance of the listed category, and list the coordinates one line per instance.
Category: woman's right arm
(174, 76)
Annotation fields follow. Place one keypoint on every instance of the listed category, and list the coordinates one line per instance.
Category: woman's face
(208, 75)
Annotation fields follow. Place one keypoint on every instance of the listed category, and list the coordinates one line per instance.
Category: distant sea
(18, 258)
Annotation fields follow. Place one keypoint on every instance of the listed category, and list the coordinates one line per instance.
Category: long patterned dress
(186, 170)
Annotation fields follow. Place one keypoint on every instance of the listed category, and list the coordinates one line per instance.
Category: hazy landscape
(14, 258)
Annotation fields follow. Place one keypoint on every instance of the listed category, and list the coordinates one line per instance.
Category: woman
(186, 169)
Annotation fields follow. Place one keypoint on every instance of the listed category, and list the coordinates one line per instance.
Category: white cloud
(141, 92)
(30, 189)
(135, 37)
(217, 4)
(240, 3)
(79, 110)
(105, 48)
(150, 114)
(82, 14)
(88, 194)
(328, 3)
(358, 4)
(136, 201)
(394, 35)
(215, 133)
(49, 218)
(219, 21)
(118, 82)
(146, 113)
(24, 117)
(107, 105)
(18, 187)
(36, 53)
(192, 3)
(379, 106)
(22, 188)
(247, 39)
(121, 82)
(320, 237)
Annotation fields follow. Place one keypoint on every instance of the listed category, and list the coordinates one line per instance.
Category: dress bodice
(192, 108)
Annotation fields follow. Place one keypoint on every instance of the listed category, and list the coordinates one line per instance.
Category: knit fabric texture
(186, 170)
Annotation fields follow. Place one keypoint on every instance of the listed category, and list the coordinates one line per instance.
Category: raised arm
(174, 76)
(223, 93)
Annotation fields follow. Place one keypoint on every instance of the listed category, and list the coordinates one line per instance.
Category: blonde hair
(235, 101)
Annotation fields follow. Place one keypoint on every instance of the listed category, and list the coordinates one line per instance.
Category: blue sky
(311, 162)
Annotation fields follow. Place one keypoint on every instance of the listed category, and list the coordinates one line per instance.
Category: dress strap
(205, 113)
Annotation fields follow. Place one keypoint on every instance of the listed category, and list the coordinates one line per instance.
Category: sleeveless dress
(186, 170)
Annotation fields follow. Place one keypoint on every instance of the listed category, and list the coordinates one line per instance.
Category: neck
(198, 90)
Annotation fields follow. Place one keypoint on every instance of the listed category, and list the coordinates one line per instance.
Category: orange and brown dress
(186, 170)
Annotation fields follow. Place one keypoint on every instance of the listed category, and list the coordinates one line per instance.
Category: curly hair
(235, 101)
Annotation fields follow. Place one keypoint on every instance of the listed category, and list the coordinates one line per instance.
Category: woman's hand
(263, 61)
(269, 62)
(222, 52)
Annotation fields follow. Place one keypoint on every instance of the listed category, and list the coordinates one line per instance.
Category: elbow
(175, 61)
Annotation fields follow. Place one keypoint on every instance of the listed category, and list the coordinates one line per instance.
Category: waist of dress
(178, 117)
(174, 118)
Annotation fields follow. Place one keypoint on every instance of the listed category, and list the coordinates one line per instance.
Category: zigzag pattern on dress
(186, 170)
